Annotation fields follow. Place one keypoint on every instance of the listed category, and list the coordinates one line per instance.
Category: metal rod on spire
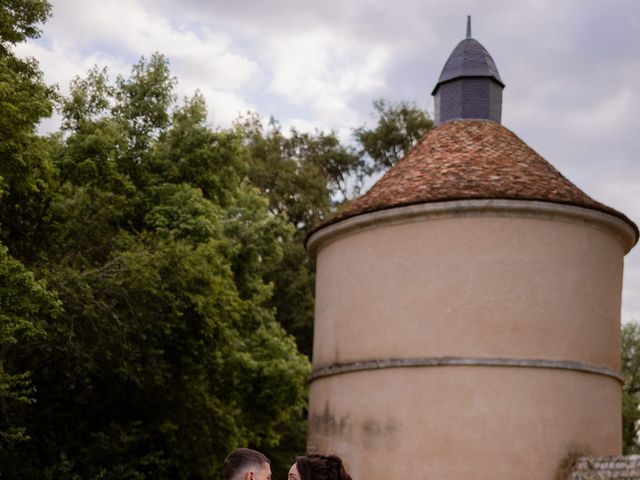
(468, 26)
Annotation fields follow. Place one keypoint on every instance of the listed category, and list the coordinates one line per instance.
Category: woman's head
(318, 467)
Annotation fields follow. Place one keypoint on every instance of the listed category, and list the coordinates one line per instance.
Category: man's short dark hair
(241, 460)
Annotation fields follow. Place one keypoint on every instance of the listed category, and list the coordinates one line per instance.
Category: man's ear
(249, 475)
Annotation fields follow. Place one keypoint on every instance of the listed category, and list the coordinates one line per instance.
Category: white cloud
(224, 106)
(60, 66)
(116, 33)
(324, 70)
(300, 124)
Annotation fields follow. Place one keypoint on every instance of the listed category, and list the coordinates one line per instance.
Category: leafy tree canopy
(19, 21)
(399, 127)
(166, 352)
(631, 389)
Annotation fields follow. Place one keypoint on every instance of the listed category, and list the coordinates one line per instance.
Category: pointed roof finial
(469, 65)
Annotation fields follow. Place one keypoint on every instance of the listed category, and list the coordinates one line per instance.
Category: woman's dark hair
(321, 467)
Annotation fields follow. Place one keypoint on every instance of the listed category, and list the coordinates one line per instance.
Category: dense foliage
(155, 294)
(151, 345)
(631, 390)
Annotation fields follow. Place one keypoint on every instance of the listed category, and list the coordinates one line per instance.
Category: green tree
(19, 21)
(26, 175)
(399, 126)
(277, 165)
(631, 389)
(142, 108)
(292, 171)
(26, 181)
(167, 353)
(25, 305)
(191, 151)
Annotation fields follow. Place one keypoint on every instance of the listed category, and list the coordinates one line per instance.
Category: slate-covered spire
(469, 85)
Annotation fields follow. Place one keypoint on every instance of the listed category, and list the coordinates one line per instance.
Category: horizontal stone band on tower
(462, 362)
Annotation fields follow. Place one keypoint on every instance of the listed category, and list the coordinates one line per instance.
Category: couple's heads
(318, 467)
(246, 464)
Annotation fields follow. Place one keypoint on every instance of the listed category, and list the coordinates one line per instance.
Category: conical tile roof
(470, 159)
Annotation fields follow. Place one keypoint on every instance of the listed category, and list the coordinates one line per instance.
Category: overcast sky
(571, 69)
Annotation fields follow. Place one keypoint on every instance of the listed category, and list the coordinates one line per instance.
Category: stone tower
(467, 320)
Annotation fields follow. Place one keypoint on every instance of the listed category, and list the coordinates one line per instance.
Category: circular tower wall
(467, 339)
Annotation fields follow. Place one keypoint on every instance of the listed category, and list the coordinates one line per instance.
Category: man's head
(246, 464)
